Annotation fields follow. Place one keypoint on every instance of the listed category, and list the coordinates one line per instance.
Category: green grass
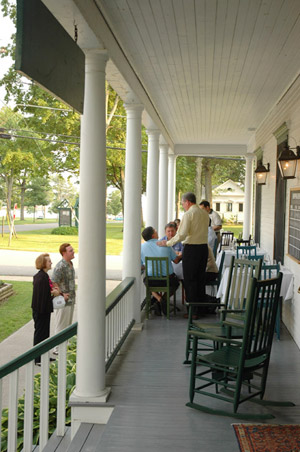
(236, 228)
(16, 310)
(44, 241)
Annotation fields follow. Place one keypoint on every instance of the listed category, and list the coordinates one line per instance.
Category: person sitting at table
(177, 223)
(170, 231)
(150, 249)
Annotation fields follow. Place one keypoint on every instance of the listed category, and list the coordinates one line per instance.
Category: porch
(150, 389)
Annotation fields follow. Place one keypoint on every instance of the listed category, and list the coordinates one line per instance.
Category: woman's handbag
(58, 302)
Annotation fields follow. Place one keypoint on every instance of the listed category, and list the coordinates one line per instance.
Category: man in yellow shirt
(193, 233)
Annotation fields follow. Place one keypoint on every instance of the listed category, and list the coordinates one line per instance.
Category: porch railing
(118, 326)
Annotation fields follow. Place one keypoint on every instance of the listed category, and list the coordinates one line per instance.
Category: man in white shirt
(216, 220)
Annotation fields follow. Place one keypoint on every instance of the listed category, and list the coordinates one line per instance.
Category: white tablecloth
(230, 253)
(287, 285)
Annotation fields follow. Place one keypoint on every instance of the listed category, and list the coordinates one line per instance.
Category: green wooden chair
(267, 272)
(239, 364)
(232, 306)
(245, 251)
(255, 257)
(226, 239)
(156, 281)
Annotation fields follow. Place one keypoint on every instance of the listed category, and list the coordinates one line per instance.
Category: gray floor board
(150, 389)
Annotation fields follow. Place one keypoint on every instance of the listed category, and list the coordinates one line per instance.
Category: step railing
(118, 326)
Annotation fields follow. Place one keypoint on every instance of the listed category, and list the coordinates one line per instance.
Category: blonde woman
(42, 300)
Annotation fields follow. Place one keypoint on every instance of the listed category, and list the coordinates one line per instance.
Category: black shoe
(163, 305)
(157, 309)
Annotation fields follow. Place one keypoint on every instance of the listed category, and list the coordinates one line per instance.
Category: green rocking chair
(239, 367)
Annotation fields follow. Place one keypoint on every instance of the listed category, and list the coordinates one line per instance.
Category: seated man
(150, 249)
(170, 231)
(212, 270)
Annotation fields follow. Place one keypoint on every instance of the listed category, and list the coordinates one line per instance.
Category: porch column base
(91, 410)
(138, 327)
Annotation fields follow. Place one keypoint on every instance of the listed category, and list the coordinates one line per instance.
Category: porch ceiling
(211, 70)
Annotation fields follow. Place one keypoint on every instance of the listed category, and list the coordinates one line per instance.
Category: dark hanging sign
(294, 224)
(47, 54)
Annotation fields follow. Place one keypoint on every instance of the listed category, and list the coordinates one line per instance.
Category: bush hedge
(65, 230)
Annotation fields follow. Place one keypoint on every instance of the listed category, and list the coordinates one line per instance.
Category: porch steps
(56, 443)
(87, 438)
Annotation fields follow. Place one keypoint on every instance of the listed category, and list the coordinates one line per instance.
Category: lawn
(43, 240)
(16, 311)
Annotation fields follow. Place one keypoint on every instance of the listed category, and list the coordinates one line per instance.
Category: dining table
(232, 252)
(287, 285)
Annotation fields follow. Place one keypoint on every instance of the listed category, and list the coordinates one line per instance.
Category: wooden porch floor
(150, 388)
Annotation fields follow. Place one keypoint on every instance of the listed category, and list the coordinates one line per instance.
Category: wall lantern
(261, 173)
(287, 161)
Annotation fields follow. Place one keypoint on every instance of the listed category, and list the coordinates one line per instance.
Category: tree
(37, 193)
(62, 188)
(185, 178)
(114, 205)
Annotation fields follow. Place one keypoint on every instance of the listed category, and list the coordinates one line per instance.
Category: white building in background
(228, 201)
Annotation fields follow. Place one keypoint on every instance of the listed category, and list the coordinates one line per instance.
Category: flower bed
(6, 291)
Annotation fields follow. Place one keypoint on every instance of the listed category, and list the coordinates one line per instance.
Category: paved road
(21, 263)
(31, 227)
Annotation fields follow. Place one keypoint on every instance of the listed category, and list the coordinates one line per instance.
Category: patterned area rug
(267, 437)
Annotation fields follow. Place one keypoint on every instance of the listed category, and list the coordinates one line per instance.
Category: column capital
(95, 60)
(153, 132)
(133, 110)
(249, 157)
(164, 148)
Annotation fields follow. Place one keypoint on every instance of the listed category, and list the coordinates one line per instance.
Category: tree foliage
(114, 205)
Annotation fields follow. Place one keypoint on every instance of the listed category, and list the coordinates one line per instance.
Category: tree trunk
(207, 178)
(9, 188)
(198, 184)
(178, 204)
(22, 198)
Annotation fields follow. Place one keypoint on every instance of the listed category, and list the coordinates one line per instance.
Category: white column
(151, 216)
(163, 189)
(132, 203)
(248, 197)
(171, 187)
(90, 378)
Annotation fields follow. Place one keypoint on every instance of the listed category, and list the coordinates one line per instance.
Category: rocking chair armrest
(201, 335)
(206, 303)
(232, 311)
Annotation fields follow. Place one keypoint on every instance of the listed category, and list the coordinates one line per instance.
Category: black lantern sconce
(287, 161)
(261, 173)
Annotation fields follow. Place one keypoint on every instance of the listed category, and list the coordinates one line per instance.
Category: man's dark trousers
(194, 261)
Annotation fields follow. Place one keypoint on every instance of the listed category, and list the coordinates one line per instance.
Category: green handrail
(111, 301)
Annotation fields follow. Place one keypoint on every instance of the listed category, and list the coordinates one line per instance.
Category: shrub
(65, 230)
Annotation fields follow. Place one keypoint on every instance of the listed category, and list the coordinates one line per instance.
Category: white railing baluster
(28, 410)
(61, 390)
(13, 411)
(117, 322)
(44, 401)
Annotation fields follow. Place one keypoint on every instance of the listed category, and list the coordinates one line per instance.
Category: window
(218, 206)
(241, 207)
(229, 207)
